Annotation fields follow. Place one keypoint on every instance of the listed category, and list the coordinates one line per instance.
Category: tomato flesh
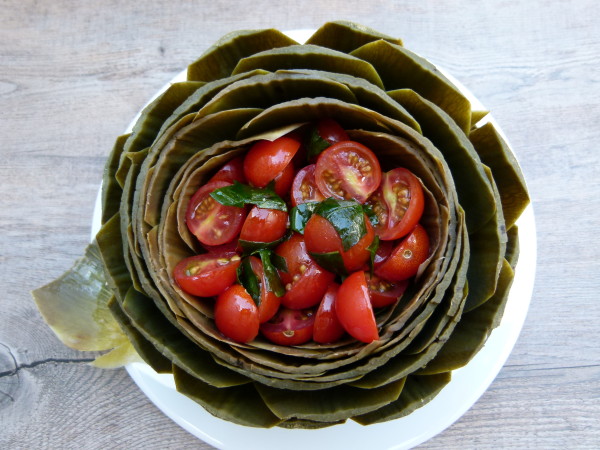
(347, 170)
(321, 237)
(398, 203)
(289, 327)
(207, 275)
(305, 281)
(236, 314)
(328, 328)
(304, 187)
(382, 292)
(354, 310)
(267, 160)
(264, 225)
(407, 257)
(211, 222)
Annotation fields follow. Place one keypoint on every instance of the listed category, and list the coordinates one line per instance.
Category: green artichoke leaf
(219, 60)
(115, 269)
(347, 36)
(367, 95)
(476, 116)
(512, 246)
(304, 424)
(238, 404)
(176, 346)
(488, 246)
(475, 193)
(75, 306)
(473, 330)
(111, 189)
(118, 357)
(400, 68)
(263, 91)
(154, 115)
(144, 348)
(309, 57)
(497, 155)
(337, 403)
(418, 391)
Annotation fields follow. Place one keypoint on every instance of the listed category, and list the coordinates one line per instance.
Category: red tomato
(269, 302)
(347, 170)
(236, 314)
(398, 204)
(305, 281)
(232, 171)
(321, 237)
(207, 275)
(353, 308)
(304, 187)
(382, 292)
(406, 258)
(264, 225)
(328, 328)
(331, 131)
(383, 251)
(289, 327)
(268, 160)
(211, 222)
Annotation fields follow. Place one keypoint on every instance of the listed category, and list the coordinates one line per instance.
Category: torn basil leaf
(331, 261)
(300, 214)
(347, 217)
(239, 195)
(272, 281)
(315, 144)
(247, 278)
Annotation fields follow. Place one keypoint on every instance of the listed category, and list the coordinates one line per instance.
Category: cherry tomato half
(289, 327)
(383, 292)
(353, 308)
(398, 204)
(231, 171)
(207, 275)
(406, 258)
(269, 302)
(347, 170)
(264, 225)
(305, 281)
(270, 160)
(331, 131)
(236, 314)
(211, 222)
(328, 328)
(304, 187)
(321, 237)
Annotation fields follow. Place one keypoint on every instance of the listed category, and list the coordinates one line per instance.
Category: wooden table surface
(73, 74)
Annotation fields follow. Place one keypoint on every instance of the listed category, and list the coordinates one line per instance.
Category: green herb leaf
(371, 215)
(252, 247)
(347, 217)
(372, 250)
(279, 262)
(315, 144)
(247, 278)
(272, 280)
(331, 261)
(239, 195)
(300, 214)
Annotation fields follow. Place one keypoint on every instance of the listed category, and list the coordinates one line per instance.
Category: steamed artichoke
(258, 85)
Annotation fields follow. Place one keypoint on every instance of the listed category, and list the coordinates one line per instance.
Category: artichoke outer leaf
(512, 247)
(118, 357)
(219, 60)
(417, 391)
(75, 306)
(496, 154)
(304, 424)
(474, 328)
(111, 188)
(336, 403)
(237, 404)
(115, 268)
(400, 68)
(144, 348)
(347, 36)
(310, 57)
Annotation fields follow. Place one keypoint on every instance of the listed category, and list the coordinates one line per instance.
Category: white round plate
(467, 385)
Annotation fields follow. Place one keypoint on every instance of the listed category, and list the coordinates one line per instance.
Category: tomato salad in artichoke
(304, 237)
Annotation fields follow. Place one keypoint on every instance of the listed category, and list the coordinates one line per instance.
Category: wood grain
(73, 74)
